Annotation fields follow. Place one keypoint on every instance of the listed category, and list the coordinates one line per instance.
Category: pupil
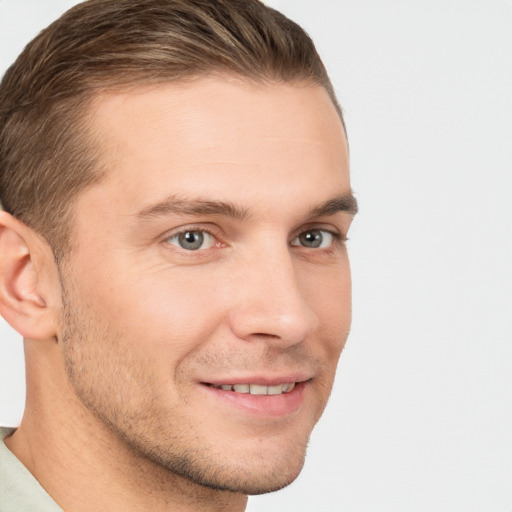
(191, 240)
(311, 239)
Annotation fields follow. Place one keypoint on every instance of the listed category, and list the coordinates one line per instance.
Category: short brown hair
(46, 155)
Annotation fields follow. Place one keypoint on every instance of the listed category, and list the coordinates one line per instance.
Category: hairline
(97, 157)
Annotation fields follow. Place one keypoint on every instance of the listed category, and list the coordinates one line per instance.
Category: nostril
(265, 335)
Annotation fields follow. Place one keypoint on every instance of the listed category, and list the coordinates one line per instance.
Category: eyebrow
(196, 207)
(342, 203)
(176, 206)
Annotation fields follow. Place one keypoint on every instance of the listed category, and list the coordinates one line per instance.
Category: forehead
(219, 137)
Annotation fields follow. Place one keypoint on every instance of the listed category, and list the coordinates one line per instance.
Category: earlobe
(23, 299)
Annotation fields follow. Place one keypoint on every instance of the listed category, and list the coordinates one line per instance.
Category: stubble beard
(142, 430)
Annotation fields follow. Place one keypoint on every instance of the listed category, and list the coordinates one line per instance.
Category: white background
(421, 416)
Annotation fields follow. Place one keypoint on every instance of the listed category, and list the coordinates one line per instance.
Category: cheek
(122, 351)
(333, 306)
(329, 294)
(158, 319)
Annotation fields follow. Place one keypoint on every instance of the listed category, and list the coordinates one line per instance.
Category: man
(175, 181)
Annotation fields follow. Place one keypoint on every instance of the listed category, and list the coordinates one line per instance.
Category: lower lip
(271, 406)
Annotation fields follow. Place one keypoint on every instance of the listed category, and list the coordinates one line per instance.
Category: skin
(122, 340)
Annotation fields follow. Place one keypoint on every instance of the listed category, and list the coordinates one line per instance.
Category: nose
(271, 303)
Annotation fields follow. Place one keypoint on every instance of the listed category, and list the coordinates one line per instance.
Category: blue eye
(314, 239)
(192, 240)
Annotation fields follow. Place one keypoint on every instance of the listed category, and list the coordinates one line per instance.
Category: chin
(263, 469)
(276, 485)
(250, 480)
(245, 472)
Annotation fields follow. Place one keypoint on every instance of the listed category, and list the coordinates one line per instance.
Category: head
(184, 200)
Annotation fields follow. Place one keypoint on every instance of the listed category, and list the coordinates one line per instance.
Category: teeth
(241, 388)
(257, 389)
(275, 390)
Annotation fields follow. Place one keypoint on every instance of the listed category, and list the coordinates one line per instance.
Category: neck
(85, 466)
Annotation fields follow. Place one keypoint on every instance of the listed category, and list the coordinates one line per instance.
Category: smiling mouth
(256, 389)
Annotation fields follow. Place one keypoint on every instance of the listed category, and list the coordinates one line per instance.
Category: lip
(260, 380)
(263, 406)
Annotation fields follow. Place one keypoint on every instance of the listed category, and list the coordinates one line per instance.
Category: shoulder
(19, 490)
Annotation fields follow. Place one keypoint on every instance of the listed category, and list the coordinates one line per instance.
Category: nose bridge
(273, 302)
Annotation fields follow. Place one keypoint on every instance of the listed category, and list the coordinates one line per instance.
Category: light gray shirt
(19, 490)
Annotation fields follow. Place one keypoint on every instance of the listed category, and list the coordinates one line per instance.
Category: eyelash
(337, 238)
(192, 230)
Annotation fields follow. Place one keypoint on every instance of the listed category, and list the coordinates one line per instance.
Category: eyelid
(339, 238)
(296, 242)
(206, 239)
(329, 228)
(194, 228)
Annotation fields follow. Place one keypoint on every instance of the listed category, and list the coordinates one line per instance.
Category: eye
(314, 239)
(191, 240)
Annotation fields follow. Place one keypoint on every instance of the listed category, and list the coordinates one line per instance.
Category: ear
(29, 283)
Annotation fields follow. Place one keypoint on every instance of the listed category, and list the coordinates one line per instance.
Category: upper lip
(261, 380)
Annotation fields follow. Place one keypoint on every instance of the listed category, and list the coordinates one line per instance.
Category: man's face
(208, 298)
